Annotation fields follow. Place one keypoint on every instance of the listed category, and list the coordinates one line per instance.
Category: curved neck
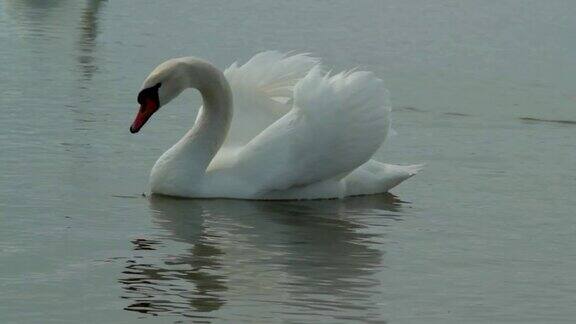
(204, 139)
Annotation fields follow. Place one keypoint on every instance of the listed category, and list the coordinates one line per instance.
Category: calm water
(484, 94)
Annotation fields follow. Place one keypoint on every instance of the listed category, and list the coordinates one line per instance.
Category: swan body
(277, 127)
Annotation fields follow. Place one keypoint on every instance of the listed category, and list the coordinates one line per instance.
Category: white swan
(297, 132)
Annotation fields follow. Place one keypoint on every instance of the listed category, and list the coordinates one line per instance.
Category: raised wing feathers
(262, 87)
(336, 124)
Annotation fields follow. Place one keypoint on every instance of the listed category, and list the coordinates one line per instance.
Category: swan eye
(149, 93)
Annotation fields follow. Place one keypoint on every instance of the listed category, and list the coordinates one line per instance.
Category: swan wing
(335, 125)
(262, 91)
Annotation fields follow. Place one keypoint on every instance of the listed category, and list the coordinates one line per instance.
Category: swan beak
(144, 113)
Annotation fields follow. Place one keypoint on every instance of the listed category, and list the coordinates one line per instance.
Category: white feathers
(272, 73)
(297, 132)
(262, 90)
(336, 125)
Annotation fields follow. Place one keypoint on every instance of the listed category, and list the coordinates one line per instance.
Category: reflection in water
(43, 22)
(87, 42)
(321, 254)
(178, 284)
(52, 26)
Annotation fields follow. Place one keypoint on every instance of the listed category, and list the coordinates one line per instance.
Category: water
(483, 93)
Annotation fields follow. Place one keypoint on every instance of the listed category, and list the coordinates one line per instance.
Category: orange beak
(144, 113)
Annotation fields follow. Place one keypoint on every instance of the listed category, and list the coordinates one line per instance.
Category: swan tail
(377, 177)
(411, 170)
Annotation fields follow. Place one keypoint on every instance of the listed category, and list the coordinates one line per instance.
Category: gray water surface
(483, 92)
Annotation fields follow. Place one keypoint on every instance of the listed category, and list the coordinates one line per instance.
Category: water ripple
(312, 256)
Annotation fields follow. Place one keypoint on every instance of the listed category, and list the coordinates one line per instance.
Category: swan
(297, 132)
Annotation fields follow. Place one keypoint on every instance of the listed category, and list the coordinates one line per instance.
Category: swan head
(164, 84)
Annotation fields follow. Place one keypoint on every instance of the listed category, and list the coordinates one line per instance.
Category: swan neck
(214, 118)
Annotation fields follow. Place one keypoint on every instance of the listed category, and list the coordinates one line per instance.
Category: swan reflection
(87, 42)
(315, 254)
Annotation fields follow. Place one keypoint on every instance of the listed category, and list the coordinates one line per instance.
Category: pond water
(483, 93)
